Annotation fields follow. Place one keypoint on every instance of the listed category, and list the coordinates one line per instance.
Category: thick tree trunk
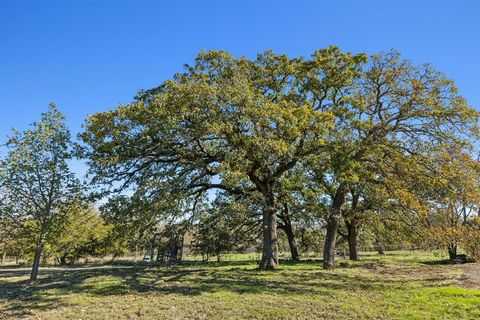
(270, 243)
(352, 235)
(330, 241)
(292, 243)
(286, 226)
(332, 229)
(452, 251)
(36, 262)
(174, 252)
(380, 249)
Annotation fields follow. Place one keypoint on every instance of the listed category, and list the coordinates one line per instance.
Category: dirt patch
(375, 266)
(471, 276)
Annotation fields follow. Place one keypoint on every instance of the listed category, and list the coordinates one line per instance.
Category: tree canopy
(373, 149)
(243, 126)
(36, 183)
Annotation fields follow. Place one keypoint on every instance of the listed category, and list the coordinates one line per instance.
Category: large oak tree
(237, 125)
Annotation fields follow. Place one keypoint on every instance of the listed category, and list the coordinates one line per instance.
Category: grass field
(399, 285)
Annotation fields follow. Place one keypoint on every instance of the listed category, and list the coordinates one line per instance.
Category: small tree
(471, 239)
(454, 197)
(36, 182)
(85, 234)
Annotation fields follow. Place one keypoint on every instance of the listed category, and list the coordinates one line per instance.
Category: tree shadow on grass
(438, 262)
(55, 285)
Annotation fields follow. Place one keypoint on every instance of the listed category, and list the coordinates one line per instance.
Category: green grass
(400, 285)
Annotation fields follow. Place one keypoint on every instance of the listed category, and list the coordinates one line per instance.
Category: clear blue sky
(91, 55)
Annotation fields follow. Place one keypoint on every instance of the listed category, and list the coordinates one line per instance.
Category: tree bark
(380, 249)
(270, 243)
(292, 243)
(332, 228)
(352, 235)
(173, 252)
(286, 226)
(36, 262)
(330, 241)
(452, 251)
